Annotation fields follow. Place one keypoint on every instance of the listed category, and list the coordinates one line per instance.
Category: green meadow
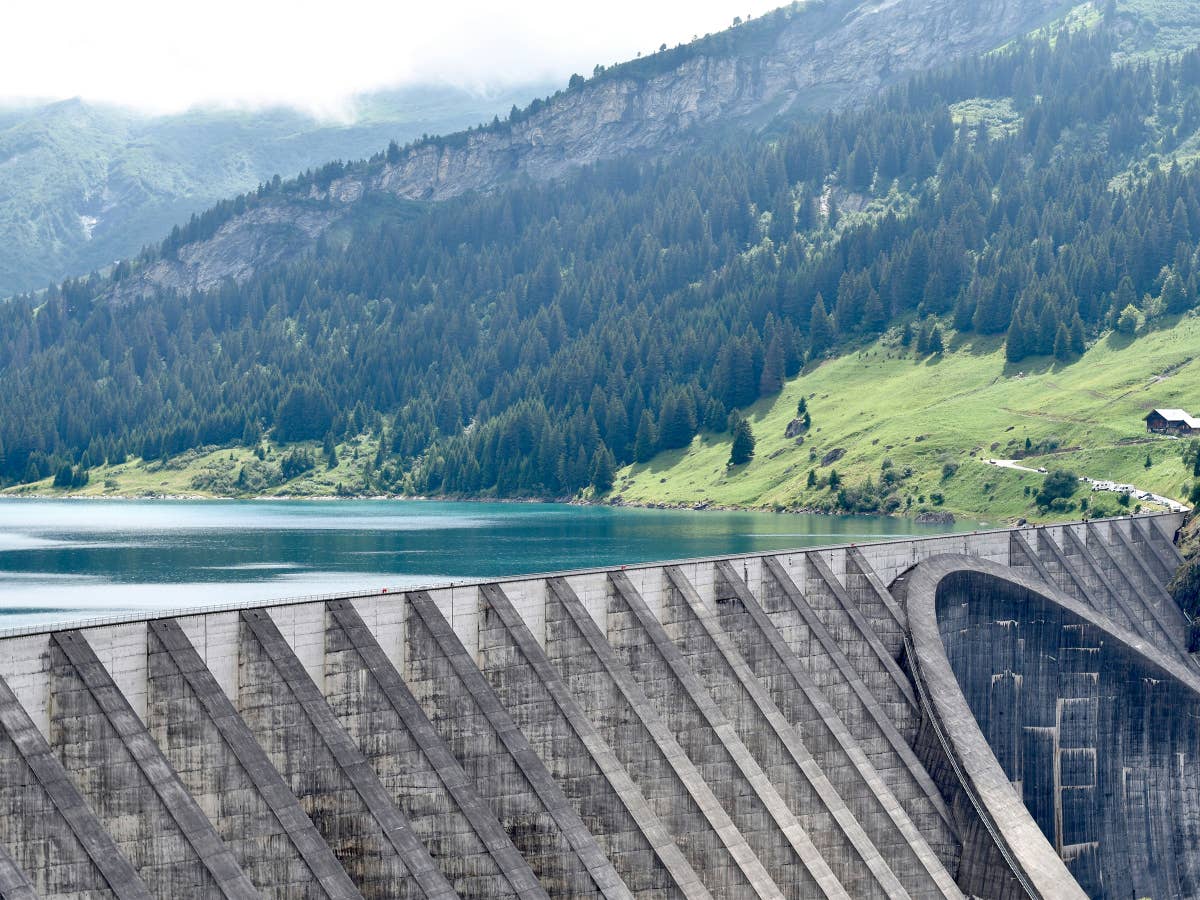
(934, 421)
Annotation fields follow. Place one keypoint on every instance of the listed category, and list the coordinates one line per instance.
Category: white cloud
(165, 55)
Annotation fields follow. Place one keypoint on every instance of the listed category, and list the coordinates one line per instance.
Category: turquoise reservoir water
(77, 559)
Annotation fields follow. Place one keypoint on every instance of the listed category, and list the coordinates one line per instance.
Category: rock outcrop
(823, 55)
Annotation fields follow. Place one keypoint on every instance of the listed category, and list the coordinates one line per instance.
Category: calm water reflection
(73, 559)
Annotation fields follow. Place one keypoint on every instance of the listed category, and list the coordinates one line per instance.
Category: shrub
(1058, 485)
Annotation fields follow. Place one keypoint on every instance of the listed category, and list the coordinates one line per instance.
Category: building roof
(1178, 417)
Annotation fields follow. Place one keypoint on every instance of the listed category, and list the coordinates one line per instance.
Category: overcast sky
(167, 55)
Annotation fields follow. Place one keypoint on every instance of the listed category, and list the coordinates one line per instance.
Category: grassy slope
(960, 407)
(214, 472)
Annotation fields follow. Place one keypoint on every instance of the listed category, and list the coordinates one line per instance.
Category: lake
(72, 559)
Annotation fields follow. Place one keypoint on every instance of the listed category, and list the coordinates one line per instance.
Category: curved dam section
(1090, 726)
(1013, 717)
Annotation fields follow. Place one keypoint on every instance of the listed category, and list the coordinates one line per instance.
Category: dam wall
(747, 726)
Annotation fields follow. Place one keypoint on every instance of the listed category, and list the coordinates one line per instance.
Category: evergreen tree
(821, 331)
(1062, 343)
(716, 417)
(330, 452)
(551, 316)
(676, 421)
(646, 442)
(771, 381)
(742, 450)
(603, 470)
(935, 340)
(1174, 295)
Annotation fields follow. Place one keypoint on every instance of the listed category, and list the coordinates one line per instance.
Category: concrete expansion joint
(862, 765)
(1137, 594)
(266, 780)
(855, 559)
(697, 789)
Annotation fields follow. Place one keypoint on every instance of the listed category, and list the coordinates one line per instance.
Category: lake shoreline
(925, 518)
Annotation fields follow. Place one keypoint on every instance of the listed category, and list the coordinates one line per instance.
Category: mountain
(802, 61)
(1017, 213)
(82, 185)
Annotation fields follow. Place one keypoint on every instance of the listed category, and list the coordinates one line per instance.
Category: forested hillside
(805, 58)
(83, 184)
(529, 341)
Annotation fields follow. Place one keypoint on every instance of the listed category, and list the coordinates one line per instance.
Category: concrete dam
(1003, 714)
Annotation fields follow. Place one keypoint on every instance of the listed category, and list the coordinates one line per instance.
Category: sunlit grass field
(959, 408)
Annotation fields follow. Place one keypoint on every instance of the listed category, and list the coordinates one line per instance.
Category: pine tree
(716, 417)
(821, 331)
(676, 421)
(923, 340)
(742, 450)
(1062, 343)
(812, 478)
(604, 470)
(1014, 341)
(1174, 295)
(330, 452)
(771, 381)
(646, 440)
(935, 340)
(860, 170)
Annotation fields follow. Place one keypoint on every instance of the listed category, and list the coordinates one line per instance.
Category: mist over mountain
(800, 61)
(82, 185)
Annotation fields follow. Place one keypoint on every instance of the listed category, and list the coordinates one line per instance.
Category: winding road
(1100, 485)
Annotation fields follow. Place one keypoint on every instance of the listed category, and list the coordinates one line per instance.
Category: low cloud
(316, 56)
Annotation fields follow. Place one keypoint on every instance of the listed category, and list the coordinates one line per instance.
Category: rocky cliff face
(815, 57)
(822, 57)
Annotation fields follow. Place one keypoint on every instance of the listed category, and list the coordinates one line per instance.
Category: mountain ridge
(824, 54)
(84, 184)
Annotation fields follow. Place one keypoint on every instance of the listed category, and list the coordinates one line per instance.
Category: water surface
(72, 559)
